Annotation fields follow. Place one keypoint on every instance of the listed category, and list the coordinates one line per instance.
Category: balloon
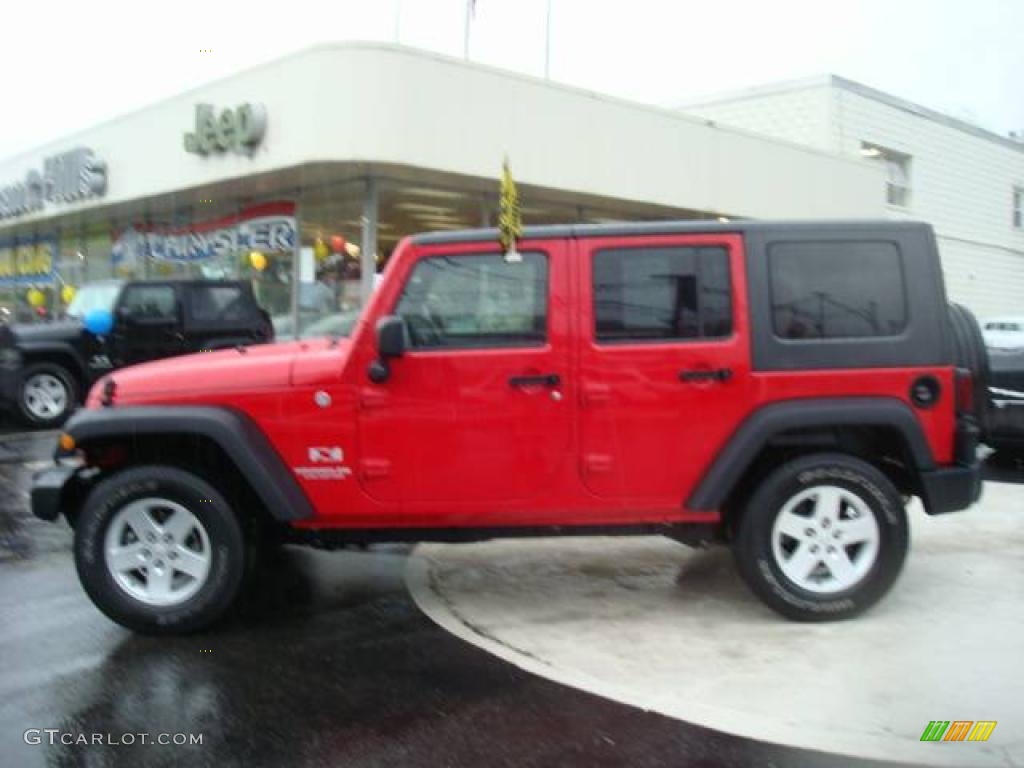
(320, 249)
(35, 297)
(67, 294)
(258, 261)
(337, 243)
(98, 321)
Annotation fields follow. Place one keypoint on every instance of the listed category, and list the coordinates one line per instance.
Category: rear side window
(837, 290)
(220, 303)
(149, 302)
(476, 301)
(652, 294)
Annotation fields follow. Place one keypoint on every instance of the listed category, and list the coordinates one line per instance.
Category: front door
(663, 363)
(477, 414)
(147, 323)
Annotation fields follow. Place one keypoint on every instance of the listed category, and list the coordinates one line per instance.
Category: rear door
(147, 323)
(664, 363)
(476, 418)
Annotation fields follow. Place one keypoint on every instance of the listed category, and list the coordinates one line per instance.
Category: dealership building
(327, 157)
(321, 161)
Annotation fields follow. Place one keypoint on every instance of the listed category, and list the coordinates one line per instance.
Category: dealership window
(1018, 207)
(897, 169)
(647, 294)
(837, 290)
(476, 301)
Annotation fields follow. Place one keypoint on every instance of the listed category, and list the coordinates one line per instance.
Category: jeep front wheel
(823, 537)
(47, 395)
(159, 550)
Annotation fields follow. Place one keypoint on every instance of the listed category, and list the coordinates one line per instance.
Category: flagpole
(398, 20)
(547, 45)
(469, 20)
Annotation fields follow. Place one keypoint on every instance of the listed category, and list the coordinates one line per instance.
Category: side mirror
(392, 341)
(392, 337)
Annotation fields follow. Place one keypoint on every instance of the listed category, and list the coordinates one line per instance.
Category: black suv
(46, 369)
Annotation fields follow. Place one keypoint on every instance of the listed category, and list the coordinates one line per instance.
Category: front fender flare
(753, 435)
(234, 432)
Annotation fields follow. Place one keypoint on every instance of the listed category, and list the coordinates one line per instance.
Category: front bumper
(55, 490)
(10, 380)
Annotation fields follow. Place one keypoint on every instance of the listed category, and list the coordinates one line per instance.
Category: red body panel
(446, 442)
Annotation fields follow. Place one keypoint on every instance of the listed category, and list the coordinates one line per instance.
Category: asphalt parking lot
(327, 662)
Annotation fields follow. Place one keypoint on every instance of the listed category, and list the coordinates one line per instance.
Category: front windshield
(93, 296)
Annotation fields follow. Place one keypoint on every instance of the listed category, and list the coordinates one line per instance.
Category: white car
(1004, 334)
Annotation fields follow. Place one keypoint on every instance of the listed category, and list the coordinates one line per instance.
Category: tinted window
(476, 301)
(837, 290)
(222, 303)
(149, 302)
(662, 293)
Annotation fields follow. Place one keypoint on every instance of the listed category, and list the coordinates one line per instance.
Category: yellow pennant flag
(510, 220)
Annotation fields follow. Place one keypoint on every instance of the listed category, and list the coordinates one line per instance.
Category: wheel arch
(59, 354)
(197, 438)
(781, 431)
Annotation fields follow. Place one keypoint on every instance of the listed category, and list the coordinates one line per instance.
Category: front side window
(478, 300)
(149, 302)
(219, 303)
(671, 293)
(837, 290)
(1018, 207)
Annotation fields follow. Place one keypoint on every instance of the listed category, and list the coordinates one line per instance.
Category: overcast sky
(71, 65)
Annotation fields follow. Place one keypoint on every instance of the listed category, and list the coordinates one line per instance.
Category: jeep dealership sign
(235, 130)
(74, 175)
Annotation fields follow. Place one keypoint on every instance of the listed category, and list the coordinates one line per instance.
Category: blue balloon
(98, 321)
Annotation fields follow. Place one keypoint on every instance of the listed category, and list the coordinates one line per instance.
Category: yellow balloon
(67, 294)
(35, 297)
(320, 249)
(258, 261)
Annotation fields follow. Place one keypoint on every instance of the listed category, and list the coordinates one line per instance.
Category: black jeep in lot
(46, 369)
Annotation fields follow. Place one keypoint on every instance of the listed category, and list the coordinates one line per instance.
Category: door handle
(540, 380)
(715, 374)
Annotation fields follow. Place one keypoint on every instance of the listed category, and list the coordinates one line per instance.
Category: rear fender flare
(732, 462)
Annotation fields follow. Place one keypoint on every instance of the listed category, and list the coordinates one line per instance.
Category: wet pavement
(327, 662)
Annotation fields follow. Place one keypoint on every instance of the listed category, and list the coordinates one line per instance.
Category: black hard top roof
(671, 228)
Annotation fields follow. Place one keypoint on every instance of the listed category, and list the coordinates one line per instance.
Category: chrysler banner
(269, 227)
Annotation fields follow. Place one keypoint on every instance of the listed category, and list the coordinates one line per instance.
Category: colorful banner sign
(269, 228)
(25, 263)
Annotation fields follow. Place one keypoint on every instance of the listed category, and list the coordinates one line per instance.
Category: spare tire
(969, 352)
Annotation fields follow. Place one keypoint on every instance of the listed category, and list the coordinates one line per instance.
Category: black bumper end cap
(47, 490)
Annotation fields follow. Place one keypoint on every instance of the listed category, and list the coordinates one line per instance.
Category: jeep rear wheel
(47, 395)
(823, 537)
(159, 550)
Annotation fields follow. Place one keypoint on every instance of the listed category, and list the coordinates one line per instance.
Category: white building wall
(374, 104)
(801, 114)
(961, 180)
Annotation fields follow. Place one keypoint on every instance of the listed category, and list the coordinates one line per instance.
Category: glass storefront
(301, 249)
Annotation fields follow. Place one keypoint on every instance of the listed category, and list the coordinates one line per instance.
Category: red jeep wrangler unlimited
(783, 387)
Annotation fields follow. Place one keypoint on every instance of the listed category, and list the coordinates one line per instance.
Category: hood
(36, 332)
(226, 372)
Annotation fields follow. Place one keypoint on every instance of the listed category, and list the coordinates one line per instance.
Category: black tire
(49, 371)
(758, 564)
(227, 552)
(969, 352)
